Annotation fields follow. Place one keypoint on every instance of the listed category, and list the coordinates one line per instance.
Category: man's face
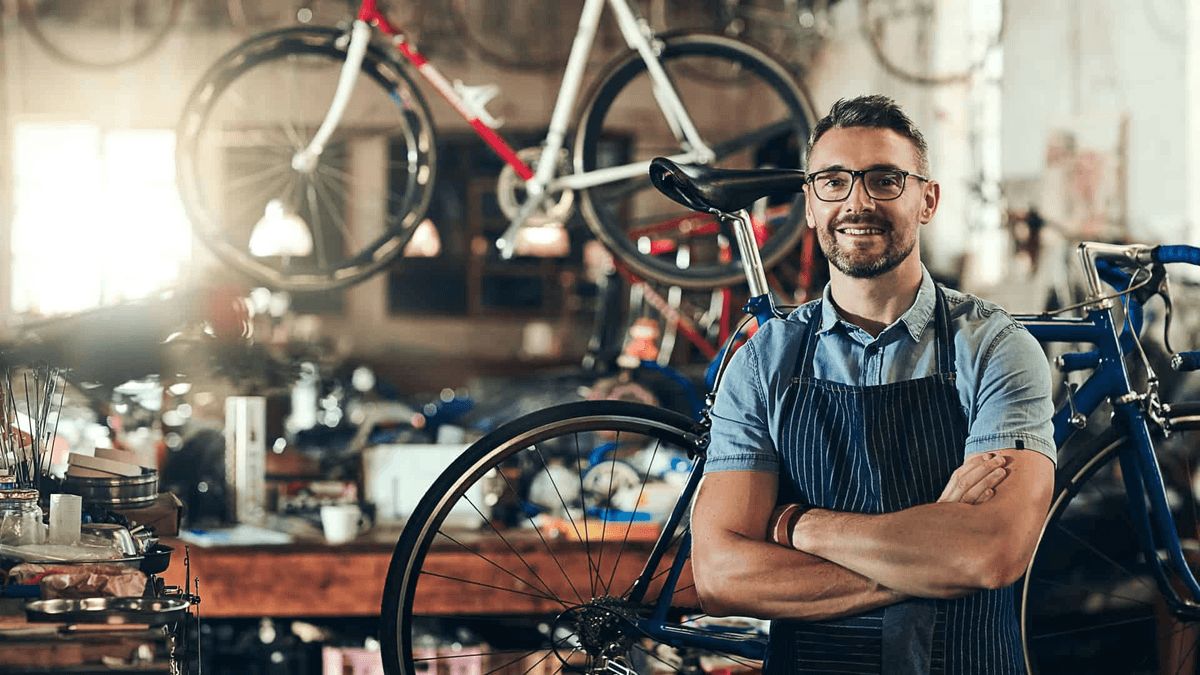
(861, 236)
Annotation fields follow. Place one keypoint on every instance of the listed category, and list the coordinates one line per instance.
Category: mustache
(870, 219)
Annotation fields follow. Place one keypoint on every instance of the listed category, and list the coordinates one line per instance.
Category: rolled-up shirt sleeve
(740, 438)
(1013, 406)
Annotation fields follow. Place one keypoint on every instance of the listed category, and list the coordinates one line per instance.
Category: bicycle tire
(872, 30)
(485, 547)
(260, 103)
(133, 43)
(620, 106)
(515, 36)
(793, 31)
(1086, 599)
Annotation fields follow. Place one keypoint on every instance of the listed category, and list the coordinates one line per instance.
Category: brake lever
(1165, 293)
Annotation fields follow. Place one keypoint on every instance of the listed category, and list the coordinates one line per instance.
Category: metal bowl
(117, 536)
(118, 491)
(153, 611)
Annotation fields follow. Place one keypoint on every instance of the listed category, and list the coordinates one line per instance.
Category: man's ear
(930, 198)
(808, 214)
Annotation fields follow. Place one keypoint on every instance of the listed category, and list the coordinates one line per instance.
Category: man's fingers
(985, 488)
(960, 480)
(970, 483)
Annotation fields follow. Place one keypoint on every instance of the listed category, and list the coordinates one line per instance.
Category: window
(97, 218)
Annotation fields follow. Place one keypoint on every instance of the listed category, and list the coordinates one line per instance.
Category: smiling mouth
(860, 231)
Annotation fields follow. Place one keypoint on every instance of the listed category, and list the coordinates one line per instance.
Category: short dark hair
(874, 110)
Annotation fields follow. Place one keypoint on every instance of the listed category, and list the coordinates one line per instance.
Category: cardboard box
(162, 517)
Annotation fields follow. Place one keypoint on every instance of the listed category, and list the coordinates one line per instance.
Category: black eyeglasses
(834, 185)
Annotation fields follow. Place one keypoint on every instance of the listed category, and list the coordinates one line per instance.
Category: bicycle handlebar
(1103, 259)
(1179, 253)
(1176, 254)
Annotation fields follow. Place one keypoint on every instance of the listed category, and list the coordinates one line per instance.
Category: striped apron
(880, 449)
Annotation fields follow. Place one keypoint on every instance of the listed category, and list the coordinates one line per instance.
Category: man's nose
(858, 200)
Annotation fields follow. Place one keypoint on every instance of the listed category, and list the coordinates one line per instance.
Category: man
(881, 461)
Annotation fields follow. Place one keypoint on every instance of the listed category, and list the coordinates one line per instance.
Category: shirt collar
(915, 319)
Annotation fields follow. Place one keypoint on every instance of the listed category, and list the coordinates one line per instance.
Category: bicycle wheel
(791, 30)
(99, 34)
(286, 225)
(531, 35)
(519, 559)
(1088, 600)
(763, 109)
(947, 51)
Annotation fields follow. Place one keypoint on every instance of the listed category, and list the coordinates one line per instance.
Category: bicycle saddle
(701, 188)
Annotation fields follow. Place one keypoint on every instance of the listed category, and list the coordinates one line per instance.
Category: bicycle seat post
(756, 274)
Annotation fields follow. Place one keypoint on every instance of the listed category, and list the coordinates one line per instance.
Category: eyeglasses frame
(856, 175)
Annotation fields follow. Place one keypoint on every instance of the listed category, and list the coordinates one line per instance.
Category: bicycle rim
(762, 119)
(529, 35)
(99, 34)
(793, 31)
(939, 29)
(1088, 600)
(519, 554)
(242, 126)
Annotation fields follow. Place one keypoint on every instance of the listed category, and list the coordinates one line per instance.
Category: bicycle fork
(1156, 527)
(305, 160)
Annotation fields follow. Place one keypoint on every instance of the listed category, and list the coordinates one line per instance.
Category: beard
(858, 264)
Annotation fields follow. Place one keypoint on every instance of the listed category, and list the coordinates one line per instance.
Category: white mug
(343, 522)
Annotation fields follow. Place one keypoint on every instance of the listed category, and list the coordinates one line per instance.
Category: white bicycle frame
(544, 181)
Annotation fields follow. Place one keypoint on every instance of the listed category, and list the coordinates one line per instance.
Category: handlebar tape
(1112, 275)
(1177, 254)
(1185, 361)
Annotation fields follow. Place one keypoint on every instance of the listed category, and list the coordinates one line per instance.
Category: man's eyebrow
(843, 167)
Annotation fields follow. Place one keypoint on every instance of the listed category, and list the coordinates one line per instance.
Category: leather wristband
(785, 523)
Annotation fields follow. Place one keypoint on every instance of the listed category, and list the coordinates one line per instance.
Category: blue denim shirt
(1003, 382)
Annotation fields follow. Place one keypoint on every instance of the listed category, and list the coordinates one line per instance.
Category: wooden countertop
(315, 579)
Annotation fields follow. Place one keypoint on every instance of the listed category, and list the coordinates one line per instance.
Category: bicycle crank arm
(507, 243)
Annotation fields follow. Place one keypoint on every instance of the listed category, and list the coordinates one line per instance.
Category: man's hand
(975, 481)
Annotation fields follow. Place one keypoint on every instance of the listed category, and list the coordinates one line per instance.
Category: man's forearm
(933, 550)
(946, 549)
(769, 581)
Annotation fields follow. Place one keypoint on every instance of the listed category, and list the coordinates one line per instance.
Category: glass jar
(21, 518)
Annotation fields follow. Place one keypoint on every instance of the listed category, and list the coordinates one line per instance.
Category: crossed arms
(978, 535)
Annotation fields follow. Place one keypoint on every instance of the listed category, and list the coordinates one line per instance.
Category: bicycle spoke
(1082, 593)
(525, 653)
(549, 593)
(545, 543)
(487, 586)
(338, 216)
(593, 570)
(625, 539)
(1106, 558)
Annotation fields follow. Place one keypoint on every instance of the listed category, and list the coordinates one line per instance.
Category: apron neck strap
(941, 325)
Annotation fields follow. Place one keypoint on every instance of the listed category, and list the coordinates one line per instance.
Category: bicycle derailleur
(603, 629)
